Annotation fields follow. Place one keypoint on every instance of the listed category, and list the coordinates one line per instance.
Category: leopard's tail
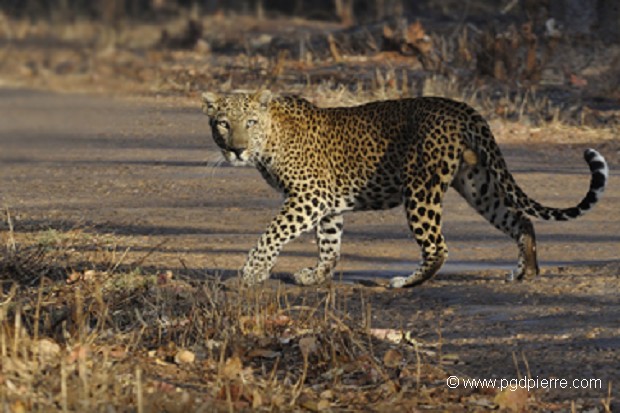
(598, 179)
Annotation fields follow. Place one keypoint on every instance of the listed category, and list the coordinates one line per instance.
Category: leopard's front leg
(328, 236)
(286, 226)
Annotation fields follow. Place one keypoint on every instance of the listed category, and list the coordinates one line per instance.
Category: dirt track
(138, 169)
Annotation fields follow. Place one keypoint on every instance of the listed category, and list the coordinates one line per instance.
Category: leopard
(327, 161)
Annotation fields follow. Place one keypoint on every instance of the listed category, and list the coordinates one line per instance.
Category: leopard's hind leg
(487, 195)
(426, 180)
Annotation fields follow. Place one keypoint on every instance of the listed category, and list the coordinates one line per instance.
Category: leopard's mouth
(236, 156)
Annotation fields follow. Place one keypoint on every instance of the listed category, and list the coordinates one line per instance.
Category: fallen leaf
(314, 405)
(164, 278)
(257, 399)
(393, 358)
(48, 349)
(213, 344)
(450, 358)
(513, 400)
(278, 321)
(117, 352)
(482, 402)
(18, 407)
(161, 362)
(79, 352)
(390, 387)
(249, 324)
(327, 394)
(236, 392)
(415, 32)
(163, 387)
(232, 367)
(278, 400)
(323, 404)
(263, 353)
(389, 334)
(388, 32)
(578, 81)
(74, 277)
(89, 275)
(184, 357)
(308, 345)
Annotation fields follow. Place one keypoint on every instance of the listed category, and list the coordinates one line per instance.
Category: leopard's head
(239, 124)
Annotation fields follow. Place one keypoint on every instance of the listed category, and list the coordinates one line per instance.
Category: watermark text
(529, 383)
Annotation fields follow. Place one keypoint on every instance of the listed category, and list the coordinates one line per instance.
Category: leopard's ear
(209, 103)
(263, 97)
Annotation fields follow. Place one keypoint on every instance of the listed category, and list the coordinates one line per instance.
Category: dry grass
(89, 56)
(81, 331)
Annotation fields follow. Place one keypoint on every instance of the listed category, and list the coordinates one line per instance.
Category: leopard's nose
(237, 151)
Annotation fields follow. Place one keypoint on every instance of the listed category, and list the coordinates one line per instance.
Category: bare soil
(141, 170)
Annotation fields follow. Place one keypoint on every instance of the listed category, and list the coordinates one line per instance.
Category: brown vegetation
(113, 338)
(524, 66)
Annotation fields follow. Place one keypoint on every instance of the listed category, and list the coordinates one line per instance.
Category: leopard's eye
(251, 123)
(223, 124)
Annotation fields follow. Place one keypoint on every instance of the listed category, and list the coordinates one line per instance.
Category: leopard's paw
(309, 276)
(253, 274)
(398, 282)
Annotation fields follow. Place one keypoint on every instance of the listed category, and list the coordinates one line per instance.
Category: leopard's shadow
(369, 278)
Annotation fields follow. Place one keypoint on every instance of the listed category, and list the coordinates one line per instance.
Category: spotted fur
(327, 161)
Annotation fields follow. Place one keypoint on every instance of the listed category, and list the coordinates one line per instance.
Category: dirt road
(141, 170)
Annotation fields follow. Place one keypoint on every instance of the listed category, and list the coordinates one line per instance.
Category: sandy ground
(142, 170)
